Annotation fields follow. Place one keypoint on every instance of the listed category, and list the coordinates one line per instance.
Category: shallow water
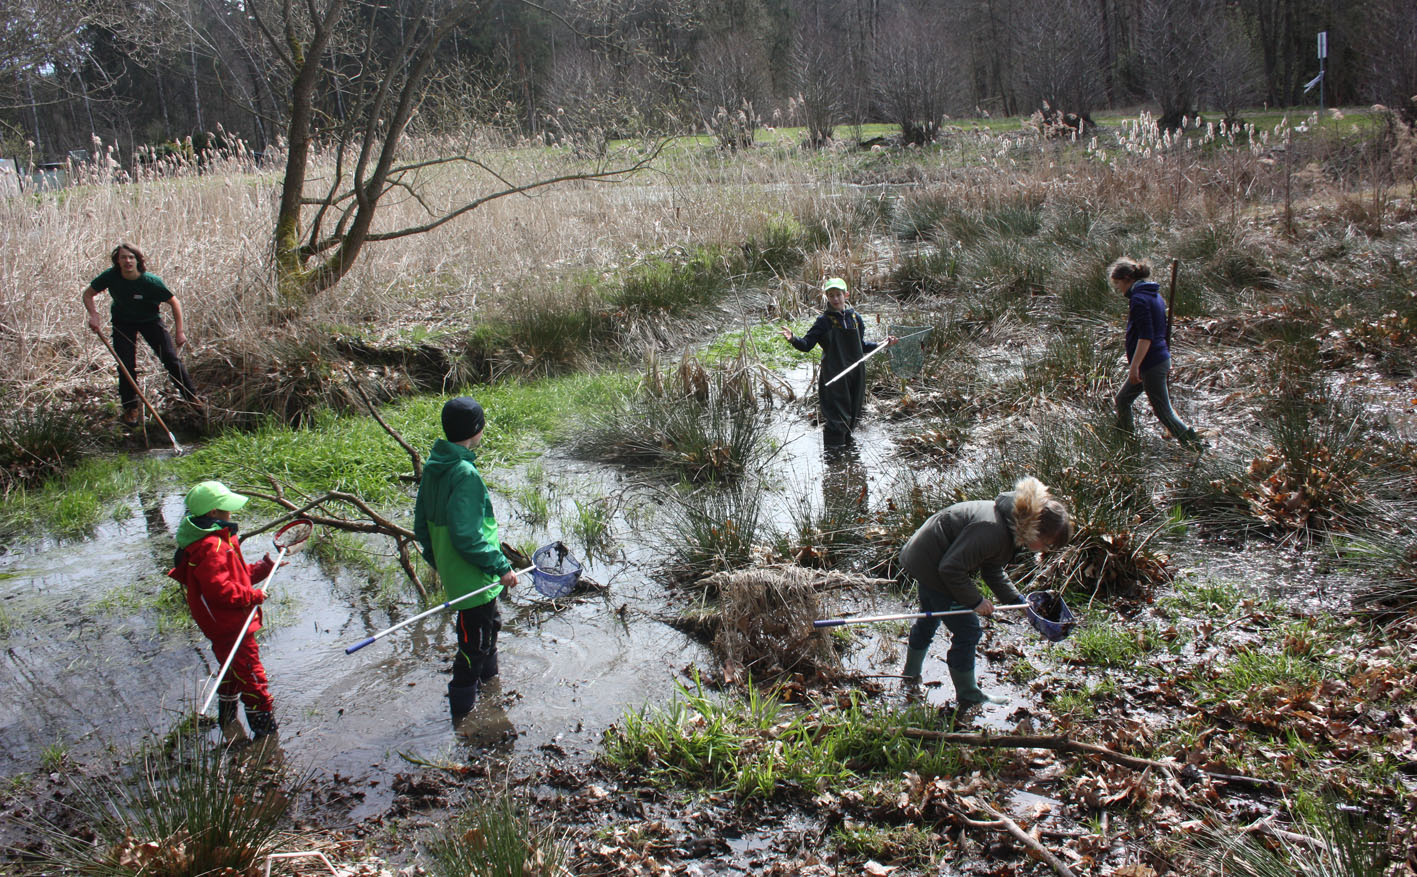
(84, 670)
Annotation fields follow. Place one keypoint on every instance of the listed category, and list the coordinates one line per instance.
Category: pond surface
(89, 665)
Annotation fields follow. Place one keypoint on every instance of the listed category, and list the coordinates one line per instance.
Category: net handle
(293, 534)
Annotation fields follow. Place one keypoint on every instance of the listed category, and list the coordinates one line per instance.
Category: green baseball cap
(834, 283)
(213, 495)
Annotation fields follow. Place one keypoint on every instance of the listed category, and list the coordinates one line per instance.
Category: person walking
(457, 532)
(967, 539)
(136, 294)
(1148, 353)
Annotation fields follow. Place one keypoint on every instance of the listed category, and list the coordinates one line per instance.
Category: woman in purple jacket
(1148, 358)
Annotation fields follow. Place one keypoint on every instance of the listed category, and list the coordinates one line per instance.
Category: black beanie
(462, 418)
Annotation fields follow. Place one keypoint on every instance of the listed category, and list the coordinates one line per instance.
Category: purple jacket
(1146, 318)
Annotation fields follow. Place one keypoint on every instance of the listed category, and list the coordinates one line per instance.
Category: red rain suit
(217, 580)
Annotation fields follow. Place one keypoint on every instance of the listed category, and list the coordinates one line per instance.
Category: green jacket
(964, 539)
(453, 522)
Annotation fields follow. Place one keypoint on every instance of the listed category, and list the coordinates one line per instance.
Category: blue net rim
(555, 571)
(1053, 631)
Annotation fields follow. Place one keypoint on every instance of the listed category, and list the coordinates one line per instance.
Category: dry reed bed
(208, 233)
(208, 236)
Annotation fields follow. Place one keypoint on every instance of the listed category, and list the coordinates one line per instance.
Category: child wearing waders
(453, 521)
(842, 334)
(220, 595)
(951, 547)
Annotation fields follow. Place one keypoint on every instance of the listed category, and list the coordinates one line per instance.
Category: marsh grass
(1325, 840)
(703, 425)
(353, 453)
(190, 808)
(496, 838)
(758, 747)
(1258, 676)
(1110, 645)
(37, 443)
(73, 503)
(709, 528)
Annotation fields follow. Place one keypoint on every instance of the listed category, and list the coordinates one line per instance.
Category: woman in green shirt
(136, 295)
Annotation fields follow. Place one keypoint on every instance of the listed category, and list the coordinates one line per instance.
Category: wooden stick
(1171, 303)
(1062, 743)
(393, 433)
(1029, 841)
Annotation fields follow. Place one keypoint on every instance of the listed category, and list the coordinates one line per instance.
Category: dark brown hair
(1128, 269)
(1055, 527)
(137, 254)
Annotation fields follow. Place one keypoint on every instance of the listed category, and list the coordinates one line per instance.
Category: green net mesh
(908, 355)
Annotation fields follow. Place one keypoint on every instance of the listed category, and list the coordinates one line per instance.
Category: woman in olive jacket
(982, 537)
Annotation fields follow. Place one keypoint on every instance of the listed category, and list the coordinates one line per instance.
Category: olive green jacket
(960, 541)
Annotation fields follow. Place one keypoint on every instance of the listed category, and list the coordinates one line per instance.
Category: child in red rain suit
(220, 595)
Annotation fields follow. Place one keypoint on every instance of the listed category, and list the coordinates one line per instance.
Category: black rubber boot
(226, 710)
(461, 699)
(262, 724)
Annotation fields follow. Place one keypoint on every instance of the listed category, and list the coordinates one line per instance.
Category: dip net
(908, 354)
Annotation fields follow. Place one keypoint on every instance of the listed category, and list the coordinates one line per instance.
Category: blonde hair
(1038, 515)
(1129, 270)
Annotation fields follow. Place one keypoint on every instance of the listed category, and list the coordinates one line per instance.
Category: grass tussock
(192, 808)
(495, 838)
(704, 425)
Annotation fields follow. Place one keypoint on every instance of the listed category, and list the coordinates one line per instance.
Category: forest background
(151, 75)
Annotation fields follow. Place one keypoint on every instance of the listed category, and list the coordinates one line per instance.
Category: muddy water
(86, 666)
(89, 664)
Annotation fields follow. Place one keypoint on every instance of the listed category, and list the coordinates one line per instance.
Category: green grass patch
(1110, 645)
(157, 595)
(353, 453)
(72, 504)
(754, 746)
(495, 838)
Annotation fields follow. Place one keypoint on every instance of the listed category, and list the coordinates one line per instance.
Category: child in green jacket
(457, 532)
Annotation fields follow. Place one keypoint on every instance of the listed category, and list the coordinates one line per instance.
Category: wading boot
(967, 690)
(226, 710)
(461, 699)
(914, 664)
(262, 723)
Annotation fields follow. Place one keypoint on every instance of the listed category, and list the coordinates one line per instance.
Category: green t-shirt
(134, 301)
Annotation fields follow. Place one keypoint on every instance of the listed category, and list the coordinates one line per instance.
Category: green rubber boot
(967, 690)
(914, 664)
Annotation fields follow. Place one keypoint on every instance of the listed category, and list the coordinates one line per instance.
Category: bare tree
(1175, 54)
(356, 73)
(1391, 58)
(731, 78)
(915, 76)
(818, 75)
(1062, 68)
(1232, 76)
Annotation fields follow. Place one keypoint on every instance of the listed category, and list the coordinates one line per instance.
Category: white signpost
(1323, 56)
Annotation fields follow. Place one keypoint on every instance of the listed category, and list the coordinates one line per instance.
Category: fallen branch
(1028, 840)
(1062, 743)
(318, 512)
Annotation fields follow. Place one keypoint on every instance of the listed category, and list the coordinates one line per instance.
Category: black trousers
(476, 660)
(125, 344)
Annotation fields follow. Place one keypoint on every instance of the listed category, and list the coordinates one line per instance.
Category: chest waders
(842, 401)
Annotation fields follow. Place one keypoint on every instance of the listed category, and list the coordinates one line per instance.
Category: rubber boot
(262, 723)
(914, 664)
(226, 710)
(967, 690)
(461, 699)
